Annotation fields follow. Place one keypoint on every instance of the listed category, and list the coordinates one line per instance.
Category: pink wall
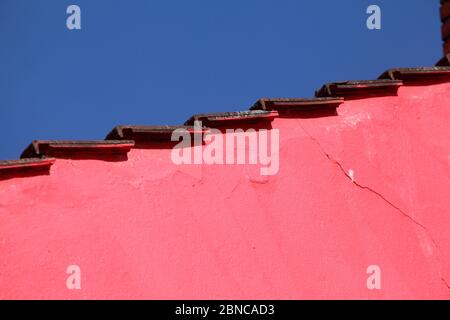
(147, 229)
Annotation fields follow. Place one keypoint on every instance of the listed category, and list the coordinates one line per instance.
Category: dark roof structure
(41, 154)
(227, 118)
(445, 61)
(62, 148)
(147, 133)
(297, 104)
(445, 18)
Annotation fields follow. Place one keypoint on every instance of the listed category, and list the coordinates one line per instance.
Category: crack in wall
(379, 195)
(445, 282)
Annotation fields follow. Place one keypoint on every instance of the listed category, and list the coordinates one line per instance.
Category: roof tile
(407, 75)
(360, 89)
(233, 118)
(445, 61)
(146, 133)
(26, 163)
(445, 10)
(297, 104)
(446, 29)
(31, 166)
(62, 148)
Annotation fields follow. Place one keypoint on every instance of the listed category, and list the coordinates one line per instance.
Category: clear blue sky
(154, 62)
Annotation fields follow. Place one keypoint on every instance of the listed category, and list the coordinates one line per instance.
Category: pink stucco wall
(148, 229)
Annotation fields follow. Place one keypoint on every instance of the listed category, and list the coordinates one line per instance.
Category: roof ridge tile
(10, 168)
(56, 148)
(445, 10)
(418, 74)
(147, 133)
(297, 104)
(233, 118)
(360, 88)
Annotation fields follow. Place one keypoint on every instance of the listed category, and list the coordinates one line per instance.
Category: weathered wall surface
(367, 187)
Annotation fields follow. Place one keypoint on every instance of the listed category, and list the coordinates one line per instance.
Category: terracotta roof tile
(445, 17)
(146, 133)
(421, 74)
(232, 118)
(31, 166)
(26, 163)
(62, 148)
(360, 89)
(445, 61)
(297, 104)
(446, 30)
(445, 10)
